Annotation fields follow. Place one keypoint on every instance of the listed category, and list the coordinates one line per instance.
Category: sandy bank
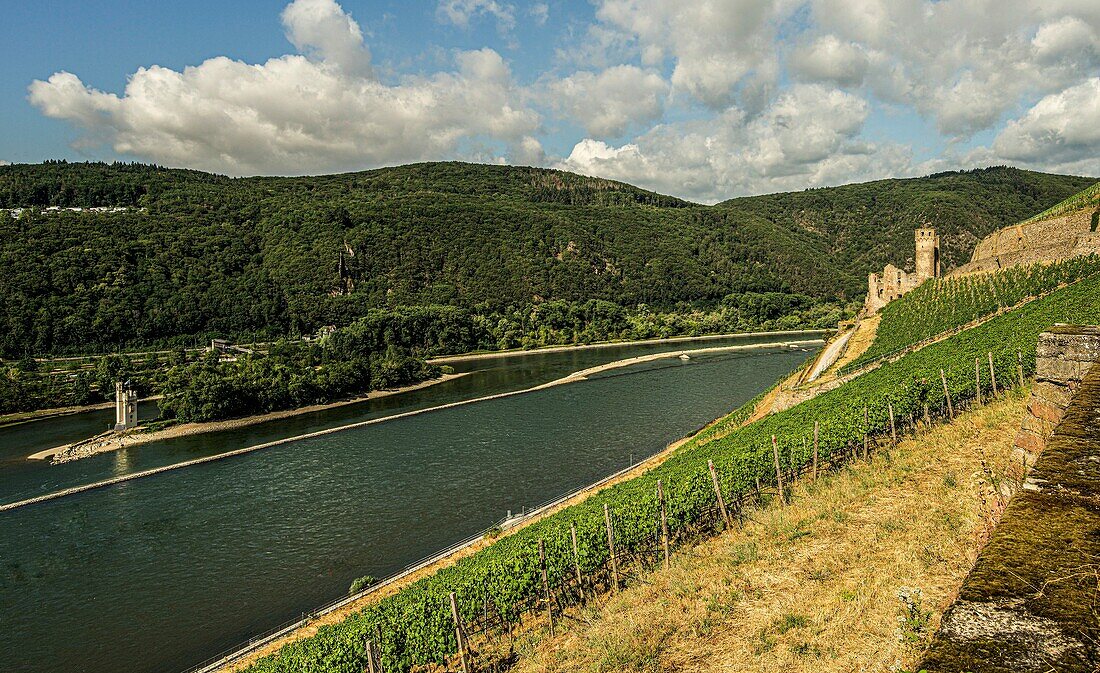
(115, 441)
(442, 359)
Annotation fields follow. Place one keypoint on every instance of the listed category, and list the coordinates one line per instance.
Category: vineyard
(1080, 200)
(618, 529)
(947, 303)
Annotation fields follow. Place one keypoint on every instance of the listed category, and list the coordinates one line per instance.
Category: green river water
(161, 573)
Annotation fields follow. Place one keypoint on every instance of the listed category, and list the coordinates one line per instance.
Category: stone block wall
(1062, 358)
(1048, 240)
(1031, 604)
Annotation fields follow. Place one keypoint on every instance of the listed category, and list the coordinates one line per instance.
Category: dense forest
(384, 348)
(196, 255)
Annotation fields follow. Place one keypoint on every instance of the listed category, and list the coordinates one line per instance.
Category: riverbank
(576, 376)
(114, 441)
(485, 355)
(342, 609)
(17, 418)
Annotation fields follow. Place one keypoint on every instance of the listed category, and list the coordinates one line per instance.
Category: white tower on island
(126, 401)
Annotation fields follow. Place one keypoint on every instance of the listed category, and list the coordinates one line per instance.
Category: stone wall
(894, 282)
(1031, 603)
(1043, 241)
(1062, 358)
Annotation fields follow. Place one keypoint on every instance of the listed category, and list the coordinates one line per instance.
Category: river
(160, 573)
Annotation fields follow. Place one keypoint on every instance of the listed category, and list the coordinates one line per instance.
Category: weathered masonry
(1032, 601)
(1063, 357)
(1048, 240)
(894, 282)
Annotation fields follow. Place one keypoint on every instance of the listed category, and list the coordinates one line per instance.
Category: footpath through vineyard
(606, 541)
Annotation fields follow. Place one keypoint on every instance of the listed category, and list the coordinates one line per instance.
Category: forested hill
(195, 254)
(866, 225)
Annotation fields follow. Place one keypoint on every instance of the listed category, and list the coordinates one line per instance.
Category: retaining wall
(1062, 358)
(1032, 601)
(1043, 241)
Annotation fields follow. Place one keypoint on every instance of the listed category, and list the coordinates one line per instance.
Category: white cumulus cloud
(808, 136)
(1062, 131)
(963, 63)
(322, 29)
(828, 59)
(315, 111)
(608, 102)
(717, 46)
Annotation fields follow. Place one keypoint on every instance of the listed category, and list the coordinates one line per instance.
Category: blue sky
(706, 100)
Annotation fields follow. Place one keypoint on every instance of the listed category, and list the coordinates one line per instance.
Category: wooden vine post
(866, 443)
(1020, 366)
(718, 494)
(375, 658)
(893, 428)
(546, 586)
(577, 558)
(778, 471)
(947, 394)
(992, 374)
(611, 548)
(664, 520)
(978, 380)
(369, 667)
(817, 428)
(460, 636)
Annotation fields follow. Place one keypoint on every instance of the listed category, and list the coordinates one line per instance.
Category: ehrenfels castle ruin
(893, 282)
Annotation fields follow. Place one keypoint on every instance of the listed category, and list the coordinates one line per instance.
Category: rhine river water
(160, 573)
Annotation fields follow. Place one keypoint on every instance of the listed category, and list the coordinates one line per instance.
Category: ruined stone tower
(126, 401)
(928, 254)
(893, 282)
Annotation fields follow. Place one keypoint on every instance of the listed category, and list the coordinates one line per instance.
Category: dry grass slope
(813, 586)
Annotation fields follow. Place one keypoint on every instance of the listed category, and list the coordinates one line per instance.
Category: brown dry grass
(857, 344)
(812, 586)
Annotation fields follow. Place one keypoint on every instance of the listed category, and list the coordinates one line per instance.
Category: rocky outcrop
(107, 441)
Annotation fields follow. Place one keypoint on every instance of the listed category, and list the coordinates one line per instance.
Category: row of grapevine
(1076, 202)
(947, 303)
(414, 627)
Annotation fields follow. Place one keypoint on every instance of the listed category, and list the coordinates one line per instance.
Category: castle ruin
(893, 282)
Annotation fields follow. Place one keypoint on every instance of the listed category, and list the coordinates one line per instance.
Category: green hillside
(1083, 199)
(869, 224)
(199, 254)
(944, 304)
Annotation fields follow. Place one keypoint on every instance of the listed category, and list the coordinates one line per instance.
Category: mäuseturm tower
(893, 282)
(126, 401)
